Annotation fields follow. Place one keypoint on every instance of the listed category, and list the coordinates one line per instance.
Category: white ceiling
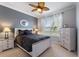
(25, 8)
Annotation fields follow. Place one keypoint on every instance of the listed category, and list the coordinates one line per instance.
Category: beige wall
(69, 17)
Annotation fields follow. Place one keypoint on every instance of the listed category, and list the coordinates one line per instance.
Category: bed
(33, 44)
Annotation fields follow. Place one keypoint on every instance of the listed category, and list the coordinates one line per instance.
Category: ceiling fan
(40, 7)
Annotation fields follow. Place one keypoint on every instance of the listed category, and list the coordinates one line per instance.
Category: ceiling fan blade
(45, 9)
(33, 5)
(34, 10)
(41, 4)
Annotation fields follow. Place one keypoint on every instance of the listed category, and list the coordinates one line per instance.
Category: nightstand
(6, 44)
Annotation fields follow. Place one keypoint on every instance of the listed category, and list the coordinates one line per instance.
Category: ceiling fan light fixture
(39, 10)
(40, 7)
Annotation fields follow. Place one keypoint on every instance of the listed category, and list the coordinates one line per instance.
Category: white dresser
(68, 38)
(6, 43)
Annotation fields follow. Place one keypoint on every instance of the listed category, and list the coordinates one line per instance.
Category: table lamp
(6, 30)
(36, 30)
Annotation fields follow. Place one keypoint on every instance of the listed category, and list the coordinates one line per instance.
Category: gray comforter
(26, 41)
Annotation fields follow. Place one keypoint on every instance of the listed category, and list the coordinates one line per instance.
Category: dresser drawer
(4, 47)
(0, 43)
(11, 46)
(10, 43)
(4, 42)
(1, 49)
(67, 45)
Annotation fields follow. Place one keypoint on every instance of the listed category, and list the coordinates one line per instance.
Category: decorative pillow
(21, 32)
(27, 32)
(24, 32)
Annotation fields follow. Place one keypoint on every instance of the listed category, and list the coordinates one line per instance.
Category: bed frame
(38, 47)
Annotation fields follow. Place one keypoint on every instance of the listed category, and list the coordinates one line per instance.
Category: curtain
(52, 23)
(57, 20)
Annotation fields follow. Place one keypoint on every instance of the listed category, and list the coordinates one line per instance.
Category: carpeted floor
(54, 51)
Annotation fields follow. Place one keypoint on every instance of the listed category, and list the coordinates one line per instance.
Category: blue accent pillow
(24, 32)
(27, 32)
(20, 32)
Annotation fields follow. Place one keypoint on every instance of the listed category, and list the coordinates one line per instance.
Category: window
(51, 25)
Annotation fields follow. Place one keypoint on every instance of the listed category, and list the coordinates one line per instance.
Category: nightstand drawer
(4, 47)
(4, 42)
(11, 46)
(1, 48)
(10, 43)
(0, 43)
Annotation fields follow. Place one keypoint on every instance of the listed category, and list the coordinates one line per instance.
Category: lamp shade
(6, 29)
(36, 29)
